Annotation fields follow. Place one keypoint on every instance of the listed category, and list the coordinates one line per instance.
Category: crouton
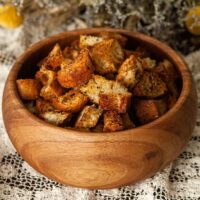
(45, 76)
(70, 53)
(99, 84)
(29, 89)
(168, 74)
(54, 59)
(77, 73)
(89, 41)
(43, 105)
(56, 117)
(140, 52)
(112, 121)
(148, 63)
(72, 101)
(53, 90)
(150, 86)
(110, 35)
(130, 72)
(107, 55)
(88, 117)
(116, 102)
(66, 62)
(31, 107)
(149, 110)
(75, 45)
(127, 122)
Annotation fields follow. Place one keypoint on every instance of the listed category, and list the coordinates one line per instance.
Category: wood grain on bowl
(98, 160)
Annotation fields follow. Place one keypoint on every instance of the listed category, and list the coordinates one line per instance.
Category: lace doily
(18, 181)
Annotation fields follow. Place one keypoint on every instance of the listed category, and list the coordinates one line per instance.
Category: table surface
(179, 181)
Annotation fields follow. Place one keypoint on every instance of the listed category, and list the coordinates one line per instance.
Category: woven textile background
(179, 181)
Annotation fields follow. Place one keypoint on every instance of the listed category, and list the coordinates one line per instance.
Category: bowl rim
(177, 60)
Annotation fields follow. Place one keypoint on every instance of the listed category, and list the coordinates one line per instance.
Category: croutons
(75, 45)
(117, 102)
(127, 122)
(107, 55)
(150, 86)
(112, 121)
(99, 84)
(88, 117)
(70, 53)
(72, 101)
(130, 72)
(77, 73)
(45, 76)
(119, 37)
(168, 74)
(149, 110)
(148, 63)
(56, 117)
(94, 84)
(54, 59)
(29, 89)
(140, 52)
(89, 40)
(53, 90)
(43, 105)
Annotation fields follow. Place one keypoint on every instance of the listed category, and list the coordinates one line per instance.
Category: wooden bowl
(98, 160)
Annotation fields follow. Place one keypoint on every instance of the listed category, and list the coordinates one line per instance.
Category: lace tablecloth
(179, 181)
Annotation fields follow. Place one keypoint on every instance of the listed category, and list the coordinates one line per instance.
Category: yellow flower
(192, 20)
(9, 16)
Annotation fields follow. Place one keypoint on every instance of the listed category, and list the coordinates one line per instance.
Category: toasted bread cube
(150, 86)
(148, 63)
(45, 76)
(117, 102)
(107, 55)
(140, 52)
(77, 73)
(149, 110)
(168, 74)
(75, 45)
(56, 117)
(54, 59)
(166, 70)
(72, 101)
(127, 122)
(53, 90)
(110, 35)
(31, 107)
(89, 41)
(112, 121)
(70, 53)
(99, 84)
(43, 105)
(89, 117)
(130, 72)
(29, 89)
